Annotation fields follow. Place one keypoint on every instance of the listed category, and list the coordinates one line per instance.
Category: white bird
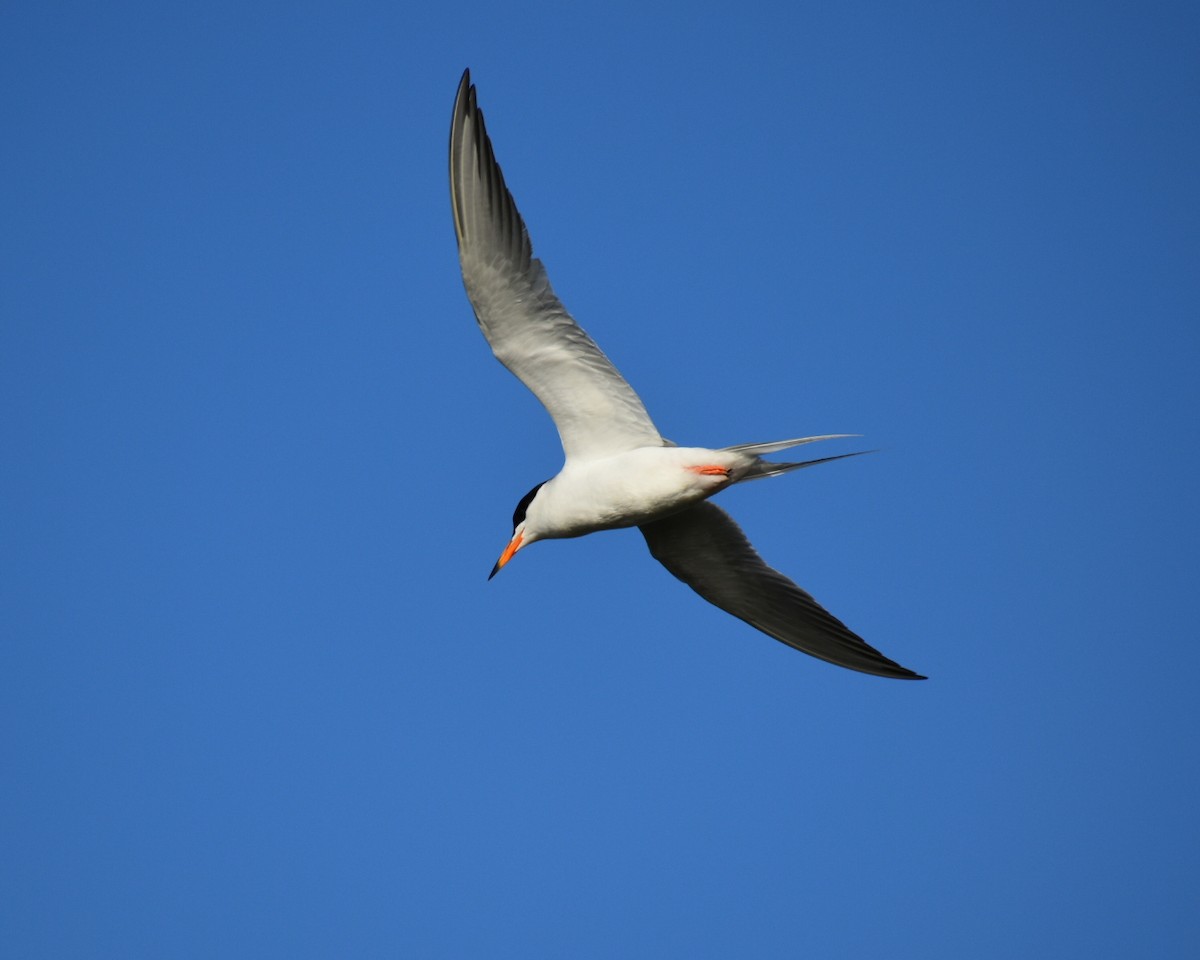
(619, 471)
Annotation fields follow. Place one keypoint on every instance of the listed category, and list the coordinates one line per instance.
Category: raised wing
(596, 411)
(704, 548)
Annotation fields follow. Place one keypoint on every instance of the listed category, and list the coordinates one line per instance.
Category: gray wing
(704, 548)
(597, 413)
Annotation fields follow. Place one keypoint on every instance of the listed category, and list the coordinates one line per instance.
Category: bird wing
(703, 547)
(597, 413)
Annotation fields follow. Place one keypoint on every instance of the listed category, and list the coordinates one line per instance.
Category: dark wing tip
(464, 106)
(485, 213)
(903, 673)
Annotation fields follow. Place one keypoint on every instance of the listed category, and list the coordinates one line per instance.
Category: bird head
(522, 534)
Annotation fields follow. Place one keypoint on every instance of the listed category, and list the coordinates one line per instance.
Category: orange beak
(513, 546)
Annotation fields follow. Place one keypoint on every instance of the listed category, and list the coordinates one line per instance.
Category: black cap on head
(519, 513)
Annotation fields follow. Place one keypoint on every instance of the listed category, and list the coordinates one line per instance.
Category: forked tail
(767, 468)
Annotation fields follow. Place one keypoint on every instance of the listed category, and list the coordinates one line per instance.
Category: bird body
(619, 471)
(629, 488)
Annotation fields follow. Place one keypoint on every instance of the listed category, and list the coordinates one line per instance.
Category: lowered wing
(703, 547)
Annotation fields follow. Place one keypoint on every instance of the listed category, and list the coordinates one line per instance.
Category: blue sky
(257, 698)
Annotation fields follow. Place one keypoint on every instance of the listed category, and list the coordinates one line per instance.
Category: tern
(618, 469)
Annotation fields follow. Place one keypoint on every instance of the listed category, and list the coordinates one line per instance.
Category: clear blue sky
(256, 697)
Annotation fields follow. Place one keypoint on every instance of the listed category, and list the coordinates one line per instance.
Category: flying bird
(618, 469)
